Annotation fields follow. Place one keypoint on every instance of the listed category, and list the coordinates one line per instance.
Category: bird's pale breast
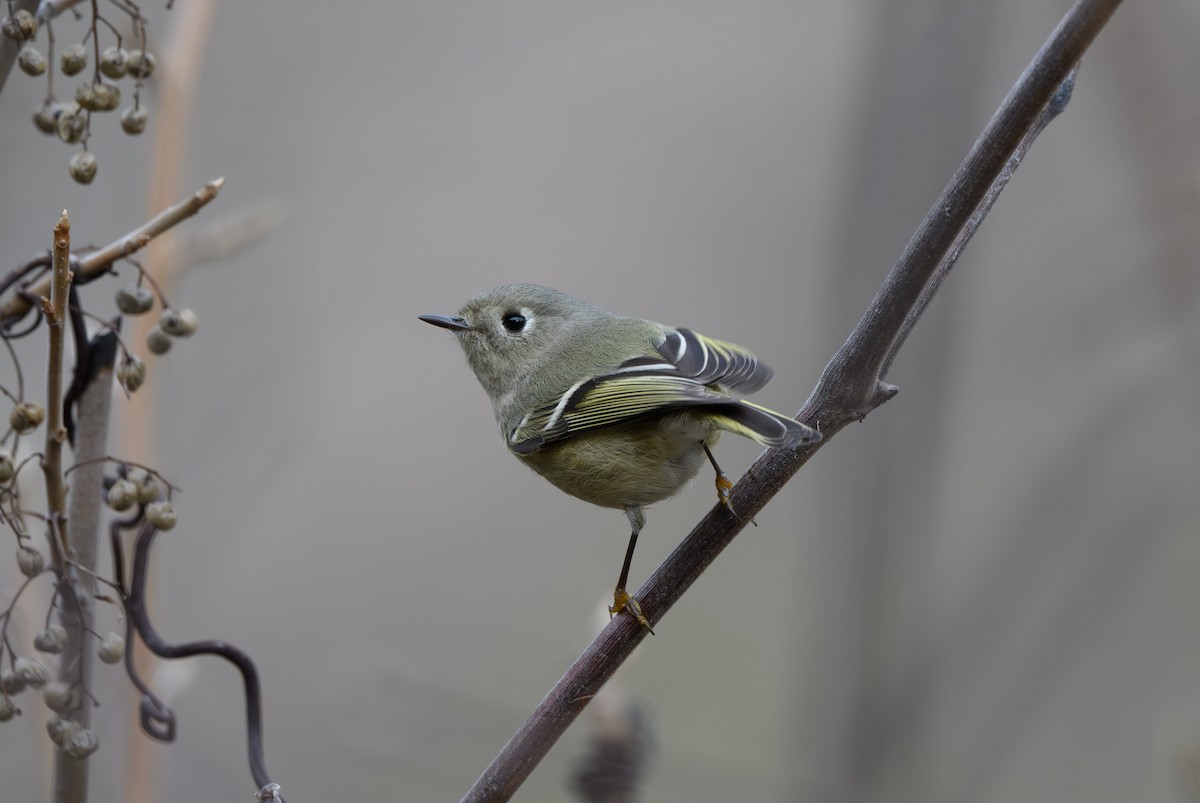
(632, 464)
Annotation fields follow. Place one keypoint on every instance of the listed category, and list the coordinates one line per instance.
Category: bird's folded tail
(761, 425)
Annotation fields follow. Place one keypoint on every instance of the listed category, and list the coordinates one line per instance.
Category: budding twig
(54, 308)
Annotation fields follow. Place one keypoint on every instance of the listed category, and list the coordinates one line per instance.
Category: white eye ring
(515, 322)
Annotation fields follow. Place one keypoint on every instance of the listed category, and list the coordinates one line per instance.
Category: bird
(617, 411)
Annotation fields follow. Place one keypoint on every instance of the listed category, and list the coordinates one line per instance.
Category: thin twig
(94, 263)
(158, 720)
(54, 308)
(851, 387)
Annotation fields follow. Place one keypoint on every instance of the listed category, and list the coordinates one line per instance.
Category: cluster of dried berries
(70, 121)
(136, 299)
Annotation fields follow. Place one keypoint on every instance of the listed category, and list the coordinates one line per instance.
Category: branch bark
(851, 386)
(96, 262)
(77, 614)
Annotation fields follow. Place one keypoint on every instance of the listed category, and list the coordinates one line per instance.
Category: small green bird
(617, 411)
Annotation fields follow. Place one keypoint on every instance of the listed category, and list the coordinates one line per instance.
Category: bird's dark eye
(513, 322)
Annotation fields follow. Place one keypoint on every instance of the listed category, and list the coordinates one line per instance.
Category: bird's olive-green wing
(692, 371)
(714, 362)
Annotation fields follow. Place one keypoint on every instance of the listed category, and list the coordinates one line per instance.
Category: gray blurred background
(987, 591)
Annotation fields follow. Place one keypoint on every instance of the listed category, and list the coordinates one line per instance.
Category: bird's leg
(724, 484)
(621, 598)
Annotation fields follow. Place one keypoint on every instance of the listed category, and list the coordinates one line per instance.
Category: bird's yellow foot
(622, 601)
(724, 486)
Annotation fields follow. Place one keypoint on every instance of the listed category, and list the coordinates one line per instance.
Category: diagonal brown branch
(96, 262)
(850, 387)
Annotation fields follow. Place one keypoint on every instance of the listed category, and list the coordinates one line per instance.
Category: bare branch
(97, 262)
(77, 582)
(851, 386)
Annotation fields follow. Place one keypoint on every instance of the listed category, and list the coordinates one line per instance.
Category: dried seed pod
(161, 515)
(148, 487)
(189, 320)
(122, 495)
(61, 729)
(158, 341)
(32, 671)
(108, 96)
(82, 743)
(8, 709)
(10, 682)
(113, 62)
(98, 97)
(7, 469)
(60, 698)
(134, 299)
(83, 167)
(141, 64)
(134, 119)
(26, 416)
(71, 124)
(85, 96)
(20, 26)
(31, 61)
(111, 649)
(51, 640)
(30, 561)
(73, 60)
(46, 118)
(180, 322)
(131, 373)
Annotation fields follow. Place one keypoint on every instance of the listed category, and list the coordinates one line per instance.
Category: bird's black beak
(454, 324)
